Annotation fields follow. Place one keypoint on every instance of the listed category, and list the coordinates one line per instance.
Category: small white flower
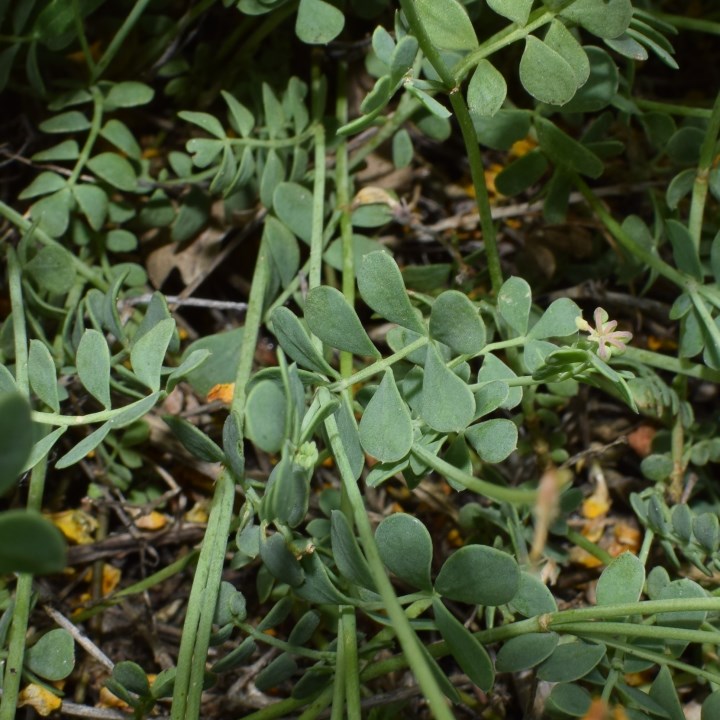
(604, 333)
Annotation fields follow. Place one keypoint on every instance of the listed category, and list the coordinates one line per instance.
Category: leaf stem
(700, 186)
(403, 630)
(516, 496)
(119, 38)
(379, 365)
(472, 148)
(23, 589)
(650, 258)
(672, 109)
(91, 137)
(206, 583)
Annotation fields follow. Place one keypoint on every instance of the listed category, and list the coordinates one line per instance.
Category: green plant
(458, 388)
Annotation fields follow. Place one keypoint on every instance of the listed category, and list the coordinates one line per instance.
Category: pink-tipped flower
(604, 333)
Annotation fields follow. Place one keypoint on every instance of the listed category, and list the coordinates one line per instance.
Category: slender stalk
(339, 684)
(348, 639)
(316, 238)
(119, 38)
(195, 637)
(614, 629)
(472, 147)
(651, 259)
(700, 187)
(25, 225)
(379, 366)
(679, 366)
(662, 659)
(515, 496)
(406, 108)
(23, 589)
(588, 546)
(689, 23)
(342, 190)
(80, 29)
(92, 135)
(672, 109)
(206, 583)
(403, 630)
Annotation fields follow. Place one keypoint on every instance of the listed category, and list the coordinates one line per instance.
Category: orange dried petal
(522, 147)
(152, 521)
(598, 710)
(222, 391)
(109, 701)
(640, 440)
(76, 525)
(197, 513)
(39, 699)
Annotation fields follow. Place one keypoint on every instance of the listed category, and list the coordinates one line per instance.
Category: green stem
(195, 637)
(26, 226)
(700, 187)
(80, 29)
(379, 365)
(512, 33)
(45, 418)
(403, 630)
(318, 206)
(498, 493)
(206, 583)
(614, 629)
(634, 248)
(588, 546)
(679, 366)
(339, 685)
(91, 137)
(646, 546)
(472, 148)
(119, 38)
(406, 108)
(672, 109)
(662, 659)
(342, 189)
(690, 23)
(351, 669)
(23, 589)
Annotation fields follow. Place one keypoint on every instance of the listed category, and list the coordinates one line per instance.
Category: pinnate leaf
(486, 90)
(382, 288)
(53, 656)
(318, 22)
(448, 404)
(516, 10)
(493, 440)
(526, 651)
(295, 341)
(385, 428)
(29, 543)
(622, 580)
(545, 74)
(479, 575)
(471, 656)
(114, 170)
(513, 304)
(331, 318)
(148, 353)
(42, 374)
(608, 19)
(455, 321)
(93, 366)
(447, 23)
(16, 438)
(406, 549)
